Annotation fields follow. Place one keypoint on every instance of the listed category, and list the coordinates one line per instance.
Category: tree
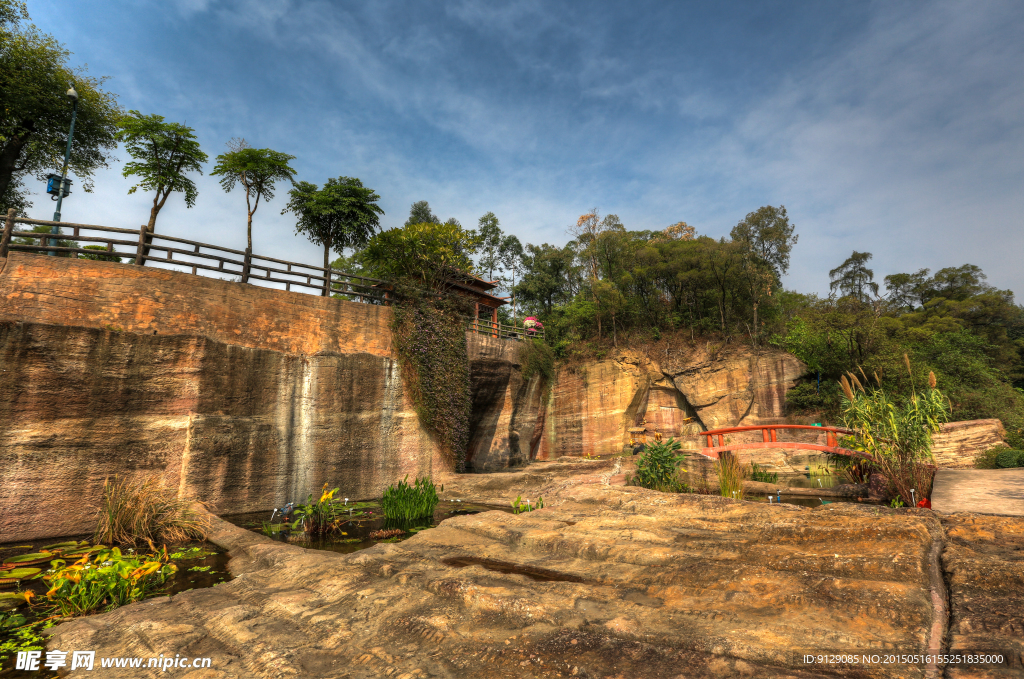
(342, 214)
(424, 254)
(257, 170)
(420, 214)
(35, 113)
(490, 245)
(906, 290)
(510, 257)
(767, 234)
(853, 278)
(163, 153)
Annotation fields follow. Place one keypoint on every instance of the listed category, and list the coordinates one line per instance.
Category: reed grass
(142, 510)
(730, 476)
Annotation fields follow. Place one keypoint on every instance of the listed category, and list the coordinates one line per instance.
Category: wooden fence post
(140, 253)
(246, 264)
(8, 228)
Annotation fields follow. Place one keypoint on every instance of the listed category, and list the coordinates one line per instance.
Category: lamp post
(55, 230)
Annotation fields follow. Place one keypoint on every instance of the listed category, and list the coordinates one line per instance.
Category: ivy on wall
(537, 358)
(430, 339)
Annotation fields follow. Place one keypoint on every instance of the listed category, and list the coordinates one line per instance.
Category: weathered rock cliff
(243, 396)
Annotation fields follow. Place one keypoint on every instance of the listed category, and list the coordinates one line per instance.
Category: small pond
(200, 564)
(354, 534)
(804, 501)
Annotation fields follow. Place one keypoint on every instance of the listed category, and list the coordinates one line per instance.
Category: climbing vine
(430, 339)
(536, 357)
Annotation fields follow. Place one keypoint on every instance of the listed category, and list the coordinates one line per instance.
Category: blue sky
(893, 127)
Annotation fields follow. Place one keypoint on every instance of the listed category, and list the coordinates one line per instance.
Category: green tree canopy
(853, 278)
(767, 234)
(423, 254)
(163, 153)
(490, 245)
(257, 170)
(342, 214)
(35, 114)
(420, 213)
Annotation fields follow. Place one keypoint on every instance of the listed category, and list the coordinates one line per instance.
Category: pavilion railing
(179, 254)
(485, 326)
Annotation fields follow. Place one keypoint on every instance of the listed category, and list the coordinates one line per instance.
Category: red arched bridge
(769, 436)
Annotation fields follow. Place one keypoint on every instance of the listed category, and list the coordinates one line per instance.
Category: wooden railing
(485, 326)
(185, 255)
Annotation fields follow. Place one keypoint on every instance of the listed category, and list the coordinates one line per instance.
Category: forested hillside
(609, 283)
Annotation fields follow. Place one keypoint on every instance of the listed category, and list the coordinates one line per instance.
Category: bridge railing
(769, 439)
(188, 256)
(486, 326)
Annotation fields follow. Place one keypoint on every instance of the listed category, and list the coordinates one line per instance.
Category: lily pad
(28, 559)
(66, 546)
(13, 577)
(9, 600)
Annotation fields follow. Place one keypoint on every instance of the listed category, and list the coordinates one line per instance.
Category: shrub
(1008, 458)
(134, 511)
(406, 502)
(319, 517)
(987, 459)
(658, 467)
(759, 473)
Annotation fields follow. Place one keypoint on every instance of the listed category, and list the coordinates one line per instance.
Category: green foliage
(36, 114)
(896, 432)
(852, 278)
(57, 242)
(404, 502)
(730, 476)
(322, 516)
(342, 214)
(759, 473)
(431, 344)
(257, 170)
(658, 467)
(1010, 458)
(424, 254)
(99, 256)
(537, 358)
(18, 634)
(105, 581)
(987, 459)
(163, 154)
(519, 505)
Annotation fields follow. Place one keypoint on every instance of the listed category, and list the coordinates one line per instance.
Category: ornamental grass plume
(897, 433)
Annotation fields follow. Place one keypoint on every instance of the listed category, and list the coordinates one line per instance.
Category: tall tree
(510, 257)
(342, 214)
(766, 238)
(257, 170)
(906, 290)
(853, 278)
(768, 235)
(164, 153)
(420, 213)
(35, 113)
(490, 245)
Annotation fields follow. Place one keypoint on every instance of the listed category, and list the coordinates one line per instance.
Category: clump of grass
(730, 476)
(405, 502)
(759, 473)
(142, 510)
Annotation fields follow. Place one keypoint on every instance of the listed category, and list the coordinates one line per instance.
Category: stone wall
(246, 397)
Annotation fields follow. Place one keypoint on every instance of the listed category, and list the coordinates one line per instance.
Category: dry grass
(134, 511)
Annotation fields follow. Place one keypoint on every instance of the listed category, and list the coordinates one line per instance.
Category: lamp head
(72, 95)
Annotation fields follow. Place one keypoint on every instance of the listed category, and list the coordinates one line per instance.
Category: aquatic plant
(20, 634)
(405, 502)
(519, 506)
(730, 476)
(105, 580)
(759, 473)
(657, 467)
(320, 517)
(134, 511)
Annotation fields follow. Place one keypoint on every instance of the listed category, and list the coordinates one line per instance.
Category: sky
(892, 127)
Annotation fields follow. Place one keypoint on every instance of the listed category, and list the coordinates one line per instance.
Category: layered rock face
(245, 397)
(957, 443)
(605, 581)
(594, 405)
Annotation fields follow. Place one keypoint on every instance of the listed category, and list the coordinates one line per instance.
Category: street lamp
(61, 188)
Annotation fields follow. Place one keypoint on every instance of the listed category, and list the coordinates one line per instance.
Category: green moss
(537, 358)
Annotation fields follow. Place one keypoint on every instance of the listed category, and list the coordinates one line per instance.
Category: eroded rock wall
(245, 397)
